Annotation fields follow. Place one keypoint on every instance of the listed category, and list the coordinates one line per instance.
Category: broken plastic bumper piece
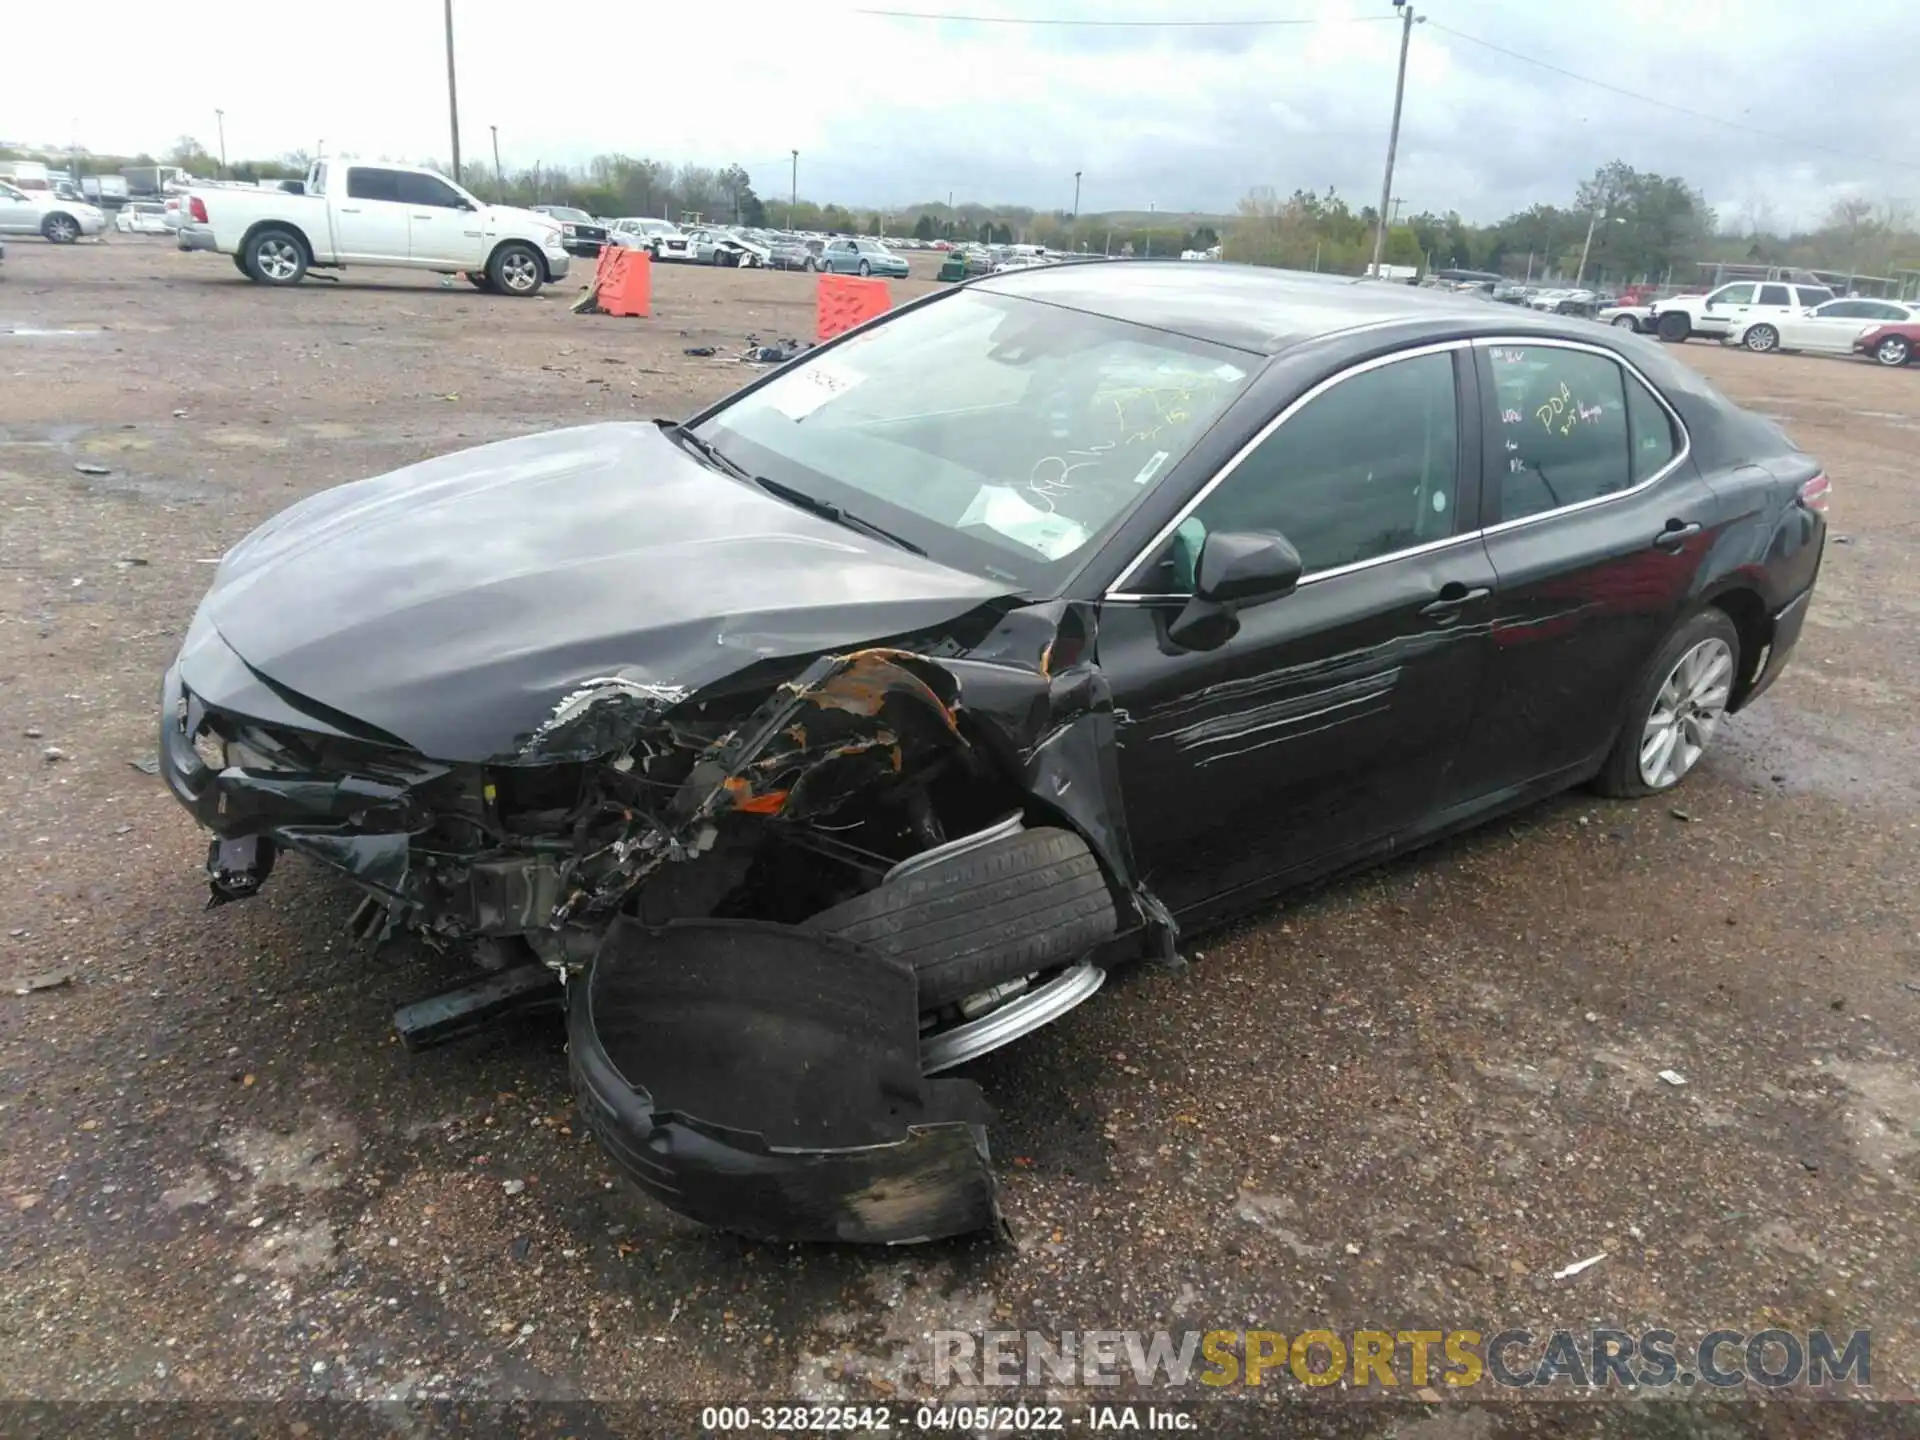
(767, 1081)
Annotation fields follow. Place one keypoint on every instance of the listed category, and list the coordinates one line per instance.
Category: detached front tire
(275, 256)
(1009, 907)
(1675, 709)
(517, 269)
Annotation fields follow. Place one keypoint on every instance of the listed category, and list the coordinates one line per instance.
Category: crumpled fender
(766, 1080)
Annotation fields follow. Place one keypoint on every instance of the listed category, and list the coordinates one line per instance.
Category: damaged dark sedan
(860, 724)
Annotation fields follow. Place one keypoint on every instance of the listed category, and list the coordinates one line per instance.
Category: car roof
(1246, 306)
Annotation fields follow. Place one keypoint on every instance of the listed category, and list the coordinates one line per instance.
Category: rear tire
(1623, 776)
(1674, 328)
(1025, 902)
(517, 269)
(1893, 351)
(275, 256)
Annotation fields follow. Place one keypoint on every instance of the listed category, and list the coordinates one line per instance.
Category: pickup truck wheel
(480, 282)
(516, 270)
(275, 257)
(240, 264)
(969, 920)
(1674, 328)
(60, 229)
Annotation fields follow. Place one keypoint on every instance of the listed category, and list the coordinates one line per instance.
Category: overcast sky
(888, 111)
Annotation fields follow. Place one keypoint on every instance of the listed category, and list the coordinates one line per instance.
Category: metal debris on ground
(150, 765)
(50, 980)
(1577, 1266)
(1673, 1077)
(88, 468)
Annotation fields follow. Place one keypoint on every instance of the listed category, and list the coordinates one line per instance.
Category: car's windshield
(999, 435)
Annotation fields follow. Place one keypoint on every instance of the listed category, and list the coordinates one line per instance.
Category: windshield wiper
(827, 510)
(706, 451)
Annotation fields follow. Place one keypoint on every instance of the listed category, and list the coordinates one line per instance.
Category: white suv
(1732, 307)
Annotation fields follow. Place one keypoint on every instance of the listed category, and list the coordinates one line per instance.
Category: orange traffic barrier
(623, 283)
(846, 301)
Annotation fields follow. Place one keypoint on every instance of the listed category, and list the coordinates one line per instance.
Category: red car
(1893, 343)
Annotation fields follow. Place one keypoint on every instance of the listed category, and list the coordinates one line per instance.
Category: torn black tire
(965, 922)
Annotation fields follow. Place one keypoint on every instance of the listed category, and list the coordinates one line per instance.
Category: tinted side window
(1814, 295)
(1775, 295)
(366, 184)
(1650, 429)
(1562, 428)
(1880, 310)
(1843, 310)
(1366, 468)
(428, 190)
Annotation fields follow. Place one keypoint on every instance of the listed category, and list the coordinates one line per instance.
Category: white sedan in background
(145, 217)
(1829, 328)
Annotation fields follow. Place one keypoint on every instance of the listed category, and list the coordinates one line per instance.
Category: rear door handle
(1454, 597)
(1675, 535)
(349, 209)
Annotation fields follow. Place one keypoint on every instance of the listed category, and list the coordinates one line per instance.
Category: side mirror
(1236, 568)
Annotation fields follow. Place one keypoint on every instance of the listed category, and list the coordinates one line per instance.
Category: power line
(1669, 105)
(1114, 24)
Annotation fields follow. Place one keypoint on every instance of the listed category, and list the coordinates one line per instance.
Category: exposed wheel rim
(278, 259)
(1686, 711)
(62, 231)
(1892, 351)
(1762, 338)
(519, 272)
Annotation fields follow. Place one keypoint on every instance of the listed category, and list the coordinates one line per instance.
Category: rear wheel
(1674, 328)
(969, 916)
(1676, 707)
(1761, 339)
(275, 257)
(1894, 350)
(516, 269)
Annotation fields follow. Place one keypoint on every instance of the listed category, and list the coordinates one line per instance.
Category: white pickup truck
(385, 215)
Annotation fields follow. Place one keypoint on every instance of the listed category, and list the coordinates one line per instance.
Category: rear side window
(1815, 295)
(1650, 429)
(1776, 295)
(1563, 428)
(366, 184)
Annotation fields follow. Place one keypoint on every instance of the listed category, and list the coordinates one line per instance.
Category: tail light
(197, 208)
(1816, 492)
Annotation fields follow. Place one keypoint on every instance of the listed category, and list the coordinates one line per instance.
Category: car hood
(457, 603)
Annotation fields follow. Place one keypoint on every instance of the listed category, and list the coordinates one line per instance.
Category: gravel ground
(1404, 1101)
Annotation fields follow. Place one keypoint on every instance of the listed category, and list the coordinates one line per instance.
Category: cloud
(888, 111)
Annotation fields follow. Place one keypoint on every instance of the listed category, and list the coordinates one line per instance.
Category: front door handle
(349, 209)
(1675, 535)
(1454, 597)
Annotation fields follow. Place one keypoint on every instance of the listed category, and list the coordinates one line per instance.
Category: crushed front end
(674, 859)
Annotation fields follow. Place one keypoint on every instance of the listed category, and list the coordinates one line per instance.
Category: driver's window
(1732, 295)
(1364, 469)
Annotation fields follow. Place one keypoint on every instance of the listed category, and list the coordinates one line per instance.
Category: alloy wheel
(1894, 350)
(277, 259)
(1686, 711)
(519, 273)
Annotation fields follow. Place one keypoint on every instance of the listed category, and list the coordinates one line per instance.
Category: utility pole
(220, 120)
(1407, 20)
(1397, 203)
(499, 180)
(453, 97)
(1076, 194)
(793, 190)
